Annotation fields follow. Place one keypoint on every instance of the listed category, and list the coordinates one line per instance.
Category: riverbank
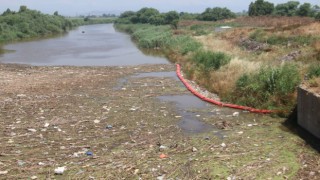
(245, 63)
(87, 120)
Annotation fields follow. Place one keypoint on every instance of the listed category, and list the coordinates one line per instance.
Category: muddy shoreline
(53, 117)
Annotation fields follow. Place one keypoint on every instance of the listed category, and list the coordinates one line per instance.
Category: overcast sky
(84, 7)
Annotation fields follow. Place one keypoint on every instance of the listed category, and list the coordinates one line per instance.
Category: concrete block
(309, 111)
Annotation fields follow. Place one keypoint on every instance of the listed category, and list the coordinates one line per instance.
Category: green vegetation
(269, 87)
(149, 16)
(290, 8)
(159, 37)
(28, 23)
(262, 36)
(208, 60)
(314, 71)
(215, 14)
(287, 9)
(260, 8)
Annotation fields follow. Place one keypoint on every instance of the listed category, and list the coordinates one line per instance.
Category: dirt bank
(84, 119)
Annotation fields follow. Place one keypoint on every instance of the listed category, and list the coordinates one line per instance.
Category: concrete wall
(309, 111)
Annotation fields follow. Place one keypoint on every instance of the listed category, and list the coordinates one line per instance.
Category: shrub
(268, 87)
(209, 60)
(314, 71)
(186, 44)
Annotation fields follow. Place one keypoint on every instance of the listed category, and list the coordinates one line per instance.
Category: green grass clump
(209, 60)
(153, 36)
(267, 88)
(314, 71)
(186, 44)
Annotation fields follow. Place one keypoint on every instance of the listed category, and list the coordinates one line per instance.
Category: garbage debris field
(111, 123)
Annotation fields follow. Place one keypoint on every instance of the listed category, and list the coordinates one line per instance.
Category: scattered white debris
(34, 177)
(96, 121)
(163, 147)
(250, 125)
(46, 125)
(223, 145)
(21, 95)
(3, 172)
(59, 170)
(32, 130)
(235, 114)
(240, 132)
(194, 149)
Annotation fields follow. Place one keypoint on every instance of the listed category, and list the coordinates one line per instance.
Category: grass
(208, 60)
(268, 88)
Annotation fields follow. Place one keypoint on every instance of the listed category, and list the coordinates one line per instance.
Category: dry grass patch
(274, 22)
(223, 81)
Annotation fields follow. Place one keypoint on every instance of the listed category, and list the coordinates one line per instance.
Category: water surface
(93, 45)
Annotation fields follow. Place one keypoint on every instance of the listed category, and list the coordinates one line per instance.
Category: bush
(186, 44)
(268, 87)
(209, 60)
(314, 71)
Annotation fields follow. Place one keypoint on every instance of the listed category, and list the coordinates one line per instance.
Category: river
(92, 45)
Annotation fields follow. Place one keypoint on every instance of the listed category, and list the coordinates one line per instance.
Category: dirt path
(83, 118)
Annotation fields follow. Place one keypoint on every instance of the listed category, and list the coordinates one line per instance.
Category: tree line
(257, 8)
(290, 8)
(27, 23)
(153, 16)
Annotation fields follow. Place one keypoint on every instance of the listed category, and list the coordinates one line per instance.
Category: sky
(86, 7)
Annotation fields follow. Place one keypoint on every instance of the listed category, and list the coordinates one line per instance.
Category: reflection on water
(189, 123)
(94, 45)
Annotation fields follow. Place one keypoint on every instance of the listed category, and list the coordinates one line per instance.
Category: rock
(240, 132)
(109, 127)
(250, 125)
(59, 170)
(46, 125)
(3, 172)
(235, 114)
(34, 177)
(41, 164)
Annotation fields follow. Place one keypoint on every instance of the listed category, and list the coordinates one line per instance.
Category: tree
(23, 9)
(7, 12)
(215, 14)
(127, 14)
(287, 9)
(145, 13)
(317, 17)
(260, 8)
(171, 16)
(56, 13)
(304, 10)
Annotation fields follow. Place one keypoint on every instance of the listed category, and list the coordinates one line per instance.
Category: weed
(268, 87)
(314, 71)
(209, 60)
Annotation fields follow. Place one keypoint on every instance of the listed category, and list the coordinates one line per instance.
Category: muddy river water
(93, 45)
(101, 45)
